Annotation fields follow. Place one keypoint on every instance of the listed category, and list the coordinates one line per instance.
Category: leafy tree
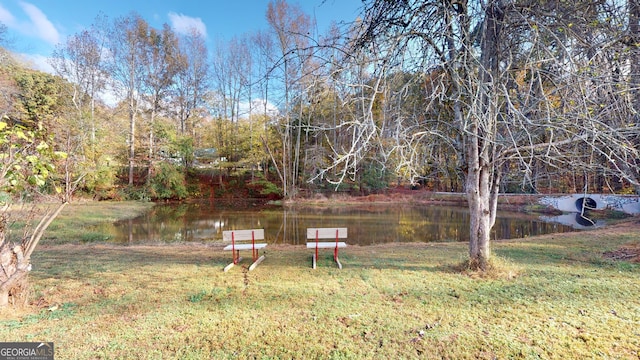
(167, 182)
(26, 161)
(127, 38)
(184, 147)
(40, 98)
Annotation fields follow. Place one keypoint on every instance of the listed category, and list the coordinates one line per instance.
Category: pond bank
(510, 202)
(389, 301)
(78, 222)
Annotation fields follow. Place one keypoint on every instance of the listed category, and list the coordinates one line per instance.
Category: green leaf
(37, 180)
(32, 159)
(60, 154)
(20, 134)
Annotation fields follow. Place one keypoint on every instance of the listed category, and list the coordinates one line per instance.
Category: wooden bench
(314, 235)
(244, 240)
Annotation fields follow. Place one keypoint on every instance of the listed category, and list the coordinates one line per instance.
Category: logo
(26, 351)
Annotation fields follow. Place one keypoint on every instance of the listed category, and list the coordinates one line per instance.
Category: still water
(367, 225)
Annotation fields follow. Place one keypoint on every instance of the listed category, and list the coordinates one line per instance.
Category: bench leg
(228, 267)
(256, 263)
(236, 260)
(335, 258)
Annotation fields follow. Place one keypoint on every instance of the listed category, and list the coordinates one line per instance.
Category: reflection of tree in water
(584, 206)
(374, 224)
(584, 220)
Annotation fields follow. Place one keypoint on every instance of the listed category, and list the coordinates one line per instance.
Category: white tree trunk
(483, 177)
(4, 298)
(482, 196)
(479, 190)
(14, 267)
(15, 260)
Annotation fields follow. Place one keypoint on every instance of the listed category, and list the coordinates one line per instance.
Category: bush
(264, 188)
(102, 179)
(167, 182)
(132, 193)
(374, 178)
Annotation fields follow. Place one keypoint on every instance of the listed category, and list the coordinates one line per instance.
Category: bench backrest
(243, 235)
(326, 233)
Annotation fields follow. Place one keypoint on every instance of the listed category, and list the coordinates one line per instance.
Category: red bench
(314, 235)
(244, 240)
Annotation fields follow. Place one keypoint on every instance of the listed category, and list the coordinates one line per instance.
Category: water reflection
(376, 224)
(575, 220)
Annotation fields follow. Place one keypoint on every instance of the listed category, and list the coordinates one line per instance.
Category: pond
(367, 225)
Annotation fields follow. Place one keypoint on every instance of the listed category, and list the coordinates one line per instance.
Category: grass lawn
(558, 297)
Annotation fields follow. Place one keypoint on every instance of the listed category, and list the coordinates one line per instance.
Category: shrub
(264, 188)
(167, 182)
(374, 178)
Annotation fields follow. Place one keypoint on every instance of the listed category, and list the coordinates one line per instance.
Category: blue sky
(36, 26)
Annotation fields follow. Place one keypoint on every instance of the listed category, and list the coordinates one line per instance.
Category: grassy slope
(563, 300)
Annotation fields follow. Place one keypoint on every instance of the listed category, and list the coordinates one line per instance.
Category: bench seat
(245, 246)
(326, 245)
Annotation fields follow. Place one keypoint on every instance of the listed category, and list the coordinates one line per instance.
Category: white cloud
(37, 62)
(184, 24)
(40, 24)
(6, 17)
(258, 108)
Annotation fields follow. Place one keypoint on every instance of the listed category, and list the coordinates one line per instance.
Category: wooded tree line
(386, 99)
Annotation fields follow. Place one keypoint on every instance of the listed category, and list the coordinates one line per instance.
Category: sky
(36, 26)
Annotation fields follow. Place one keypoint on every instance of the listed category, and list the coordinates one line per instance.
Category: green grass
(557, 297)
(78, 222)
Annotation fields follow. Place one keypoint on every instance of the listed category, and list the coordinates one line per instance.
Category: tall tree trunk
(634, 32)
(152, 121)
(132, 146)
(483, 176)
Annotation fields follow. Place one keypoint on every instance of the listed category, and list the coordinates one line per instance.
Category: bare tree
(231, 69)
(80, 61)
(509, 83)
(126, 48)
(291, 27)
(264, 58)
(192, 80)
(633, 47)
(161, 63)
